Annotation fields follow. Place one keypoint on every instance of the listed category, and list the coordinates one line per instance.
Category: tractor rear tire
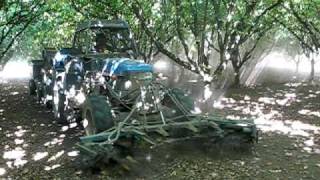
(32, 87)
(96, 115)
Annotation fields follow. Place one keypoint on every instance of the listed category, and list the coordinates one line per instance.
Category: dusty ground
(33, 146)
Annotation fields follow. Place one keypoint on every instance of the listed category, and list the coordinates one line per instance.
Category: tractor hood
(121, 66)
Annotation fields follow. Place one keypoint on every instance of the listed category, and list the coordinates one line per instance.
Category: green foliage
(188, 32)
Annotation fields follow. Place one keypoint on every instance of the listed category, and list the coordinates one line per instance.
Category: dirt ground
(34, 146)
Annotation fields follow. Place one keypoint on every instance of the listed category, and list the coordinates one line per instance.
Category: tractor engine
(127, 79)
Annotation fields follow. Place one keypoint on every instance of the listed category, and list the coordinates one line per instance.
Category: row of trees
(233, 29)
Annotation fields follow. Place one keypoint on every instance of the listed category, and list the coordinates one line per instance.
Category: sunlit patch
(54, 141)
(233, 117)
(312, 96)
(309, 113)
(73, 125)
(25, 145)
(290, 95)
(268, 122)
(162, 77)
(247, 98)
(64, 128)
(14, 93)
(9, 164)
(40, 155)
(80, 98)
(304, 111)
(9, 135)
(307, 149)
(18, 141)
(2, 171)
(73, 153)
(17, 154)
(128, 84)
(160, 65)
(317, 151)
(196, 110)
(268, 119)
(293, 84)
(207, 92)
(139, 104)
(309, 142)
(20, 132)
(85, 123)
(218, 105)
(149, 157)
(282, 102)
(48, 168)
(228, 100)
(56, 156)
(16, 69)
(51, 133)
(267, 100)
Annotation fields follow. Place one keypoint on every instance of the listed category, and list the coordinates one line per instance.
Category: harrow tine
(162, 132)
(127, 163)
(192, 128)
(130, 159)
(148, 140)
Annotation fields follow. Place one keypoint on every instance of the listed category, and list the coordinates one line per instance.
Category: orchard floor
(34, 146)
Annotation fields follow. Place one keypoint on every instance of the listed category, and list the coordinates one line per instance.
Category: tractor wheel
(96, 115)
(32, 87)
(39, 93)
(185, 101)
(59, 108)
(47, 91)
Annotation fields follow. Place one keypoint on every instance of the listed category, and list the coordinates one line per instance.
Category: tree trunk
(297, 67)
(236, 81)
(234, 56)
(312, 69)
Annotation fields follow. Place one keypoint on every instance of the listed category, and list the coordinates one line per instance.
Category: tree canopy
(201, 36)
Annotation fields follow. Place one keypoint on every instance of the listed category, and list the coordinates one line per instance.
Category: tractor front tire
(96, 115)
(39, 93)
(32, 87)
(59, 108)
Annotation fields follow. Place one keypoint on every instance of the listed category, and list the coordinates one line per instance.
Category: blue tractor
(40, 84)
(119, 99)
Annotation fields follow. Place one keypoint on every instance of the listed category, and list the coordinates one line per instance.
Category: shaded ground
(33, 146)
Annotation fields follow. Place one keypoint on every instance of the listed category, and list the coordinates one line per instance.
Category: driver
(101, 45)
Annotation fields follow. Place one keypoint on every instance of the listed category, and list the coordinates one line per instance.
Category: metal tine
(192, 128)
(162, 132)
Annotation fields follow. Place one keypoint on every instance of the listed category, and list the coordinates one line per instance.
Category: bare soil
(34, 146)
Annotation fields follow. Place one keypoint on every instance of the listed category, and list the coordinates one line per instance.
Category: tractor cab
(104, 38)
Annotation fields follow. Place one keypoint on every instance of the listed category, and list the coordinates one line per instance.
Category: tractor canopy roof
(110, 24)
